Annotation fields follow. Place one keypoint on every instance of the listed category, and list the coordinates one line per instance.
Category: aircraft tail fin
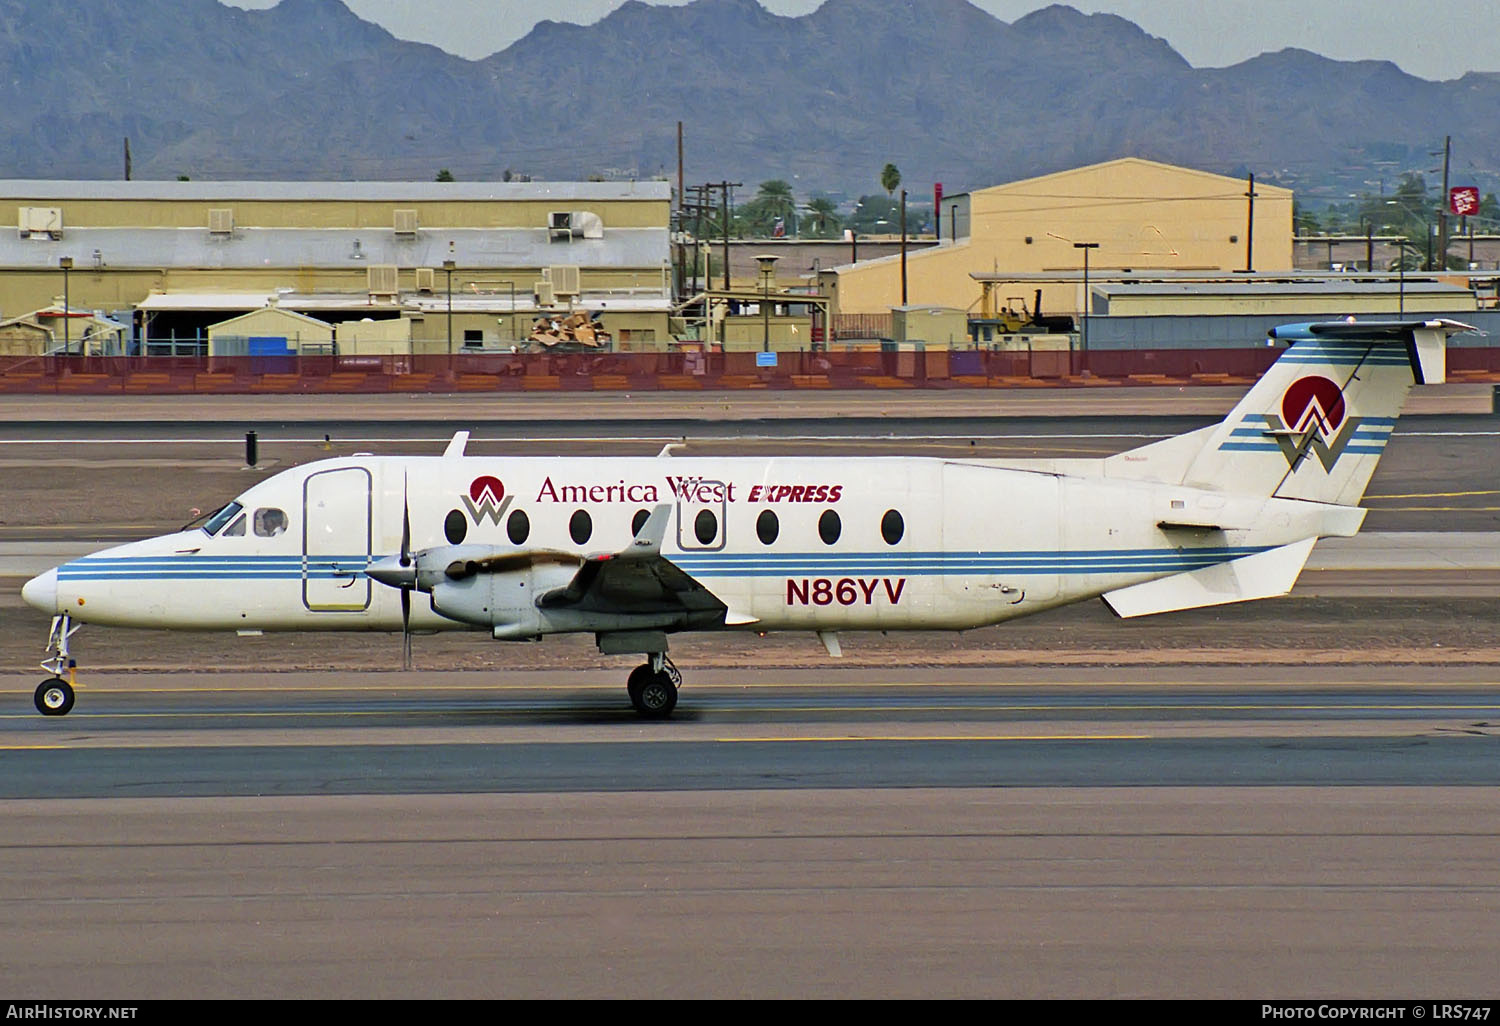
(1316, 423)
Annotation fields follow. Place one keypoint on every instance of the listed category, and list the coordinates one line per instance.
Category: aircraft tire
(637, 680)
(656, 698)
(54, 697)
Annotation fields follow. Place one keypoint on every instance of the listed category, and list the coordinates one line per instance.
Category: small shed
(368, 337)
(941, 327)
(270, 331)
(41, 332)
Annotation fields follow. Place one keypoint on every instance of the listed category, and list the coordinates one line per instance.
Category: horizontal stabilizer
(1263, 575)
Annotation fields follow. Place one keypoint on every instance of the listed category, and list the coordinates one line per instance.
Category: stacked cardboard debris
(575, 329)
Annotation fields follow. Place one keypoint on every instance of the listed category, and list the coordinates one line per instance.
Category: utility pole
(903, 247)
(697, 205)
(1250, 228)
(724, 188)
(1084, 324)
(1443, 209)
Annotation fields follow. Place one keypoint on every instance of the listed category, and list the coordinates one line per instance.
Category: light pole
(66, 263)
(767, 278)
(1427, 228)
(448, 266)
(1084, 334)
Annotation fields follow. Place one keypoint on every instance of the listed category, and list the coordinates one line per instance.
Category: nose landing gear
(54, 696)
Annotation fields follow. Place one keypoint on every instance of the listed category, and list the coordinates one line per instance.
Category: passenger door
(336, 540)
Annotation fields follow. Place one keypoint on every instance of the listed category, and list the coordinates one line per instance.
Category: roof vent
(221, 221)
(426, 279)
(406, 222)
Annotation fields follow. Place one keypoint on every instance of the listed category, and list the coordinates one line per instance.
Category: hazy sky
(1435, 39)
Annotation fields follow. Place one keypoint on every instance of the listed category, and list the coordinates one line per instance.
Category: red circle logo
(1313, 401)
(486, 490)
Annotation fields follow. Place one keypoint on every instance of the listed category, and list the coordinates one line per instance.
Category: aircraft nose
(41, 591)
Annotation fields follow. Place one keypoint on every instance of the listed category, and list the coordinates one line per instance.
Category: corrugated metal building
(375, 249)
(1142, 214)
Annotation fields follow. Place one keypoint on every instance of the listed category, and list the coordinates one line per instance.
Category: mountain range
(942, 89)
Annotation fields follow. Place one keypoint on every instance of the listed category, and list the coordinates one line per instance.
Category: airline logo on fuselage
(486, 500)
(683, 489)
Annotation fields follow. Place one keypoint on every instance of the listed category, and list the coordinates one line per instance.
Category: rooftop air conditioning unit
(383, 280)
(406, 222)
(221, 221)
(565, 279)
(40, 222)
(426, 279)
(543, 292)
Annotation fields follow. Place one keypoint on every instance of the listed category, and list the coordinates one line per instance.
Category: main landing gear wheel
(54, 697)
(653, 692)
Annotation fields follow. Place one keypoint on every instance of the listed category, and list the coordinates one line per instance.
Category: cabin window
(455, 527)
(706, 526)
(518, 527)
(269, 522)
(830, 527)
(581, 527)
(767, 527)
(639, 521)
(218, 520)
(892, 527)
(236, 529)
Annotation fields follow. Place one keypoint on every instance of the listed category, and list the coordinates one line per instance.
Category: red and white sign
(1463, 200)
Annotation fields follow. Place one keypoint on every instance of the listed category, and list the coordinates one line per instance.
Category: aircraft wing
(637, 580)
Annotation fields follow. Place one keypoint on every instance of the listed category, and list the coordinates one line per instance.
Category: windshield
(219, 519)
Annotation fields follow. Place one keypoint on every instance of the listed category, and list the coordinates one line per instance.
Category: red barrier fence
(542, 372)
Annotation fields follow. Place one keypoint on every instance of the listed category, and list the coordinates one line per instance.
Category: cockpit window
(219, 519)
(269, 522)
(236, 529)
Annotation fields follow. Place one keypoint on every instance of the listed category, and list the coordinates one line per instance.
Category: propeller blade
(405, 524)
(406, 628)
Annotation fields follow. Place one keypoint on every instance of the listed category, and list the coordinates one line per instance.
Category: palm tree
(774, 201)
(824, 216)
(890, 179)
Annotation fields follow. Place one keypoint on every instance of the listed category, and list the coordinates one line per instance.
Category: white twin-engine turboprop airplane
(632, 550)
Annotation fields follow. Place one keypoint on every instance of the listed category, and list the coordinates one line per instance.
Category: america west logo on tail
(1313, 420)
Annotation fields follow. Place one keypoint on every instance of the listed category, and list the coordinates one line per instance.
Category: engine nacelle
(500, 599)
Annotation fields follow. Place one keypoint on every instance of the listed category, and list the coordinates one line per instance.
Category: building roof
(1028, 184)
(334, 248)
(1331, 287)
(293, 314)
(410, 303)
(404, 192)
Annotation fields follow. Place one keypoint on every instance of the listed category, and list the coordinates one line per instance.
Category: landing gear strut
(653, 687)
(54, 696)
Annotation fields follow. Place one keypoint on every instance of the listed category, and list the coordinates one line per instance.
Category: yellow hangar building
(173, 259)
(1143, 216)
